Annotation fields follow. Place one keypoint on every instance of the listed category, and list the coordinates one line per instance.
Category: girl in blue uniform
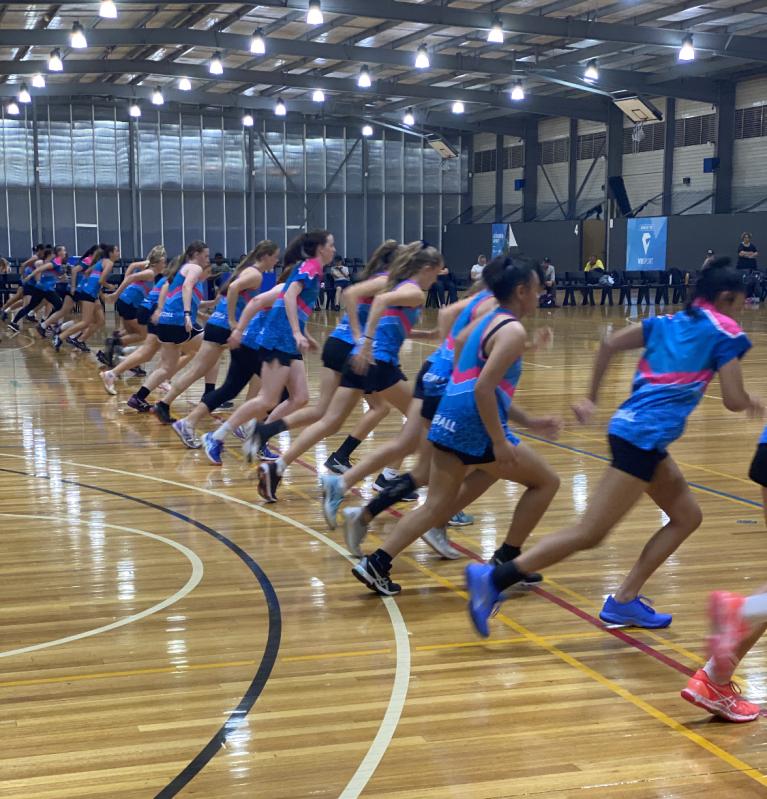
(24, 292)
(179, 302)
(391, 318)
(236, 293)
(284, 338)
(472, 443)
(682, 353)
(42, 281)
(335, 353)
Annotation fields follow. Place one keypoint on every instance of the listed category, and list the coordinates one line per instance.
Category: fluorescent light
(517, 92)
(108, 9)
(55, 64)
(24, 96)
(687, 51)
(257, 43)
(134, 110)
(12, 109)
(318, 96)
(408, 119)
(495, 34)
(314, 13)
(422, 58)
(247, 120)
(38, 81)
(363, 79)
(157, 98)
(591, 72)
(279, 108)
(184, 85)
(367, 130)
(216, 67)
(458, 107)
(77, 38)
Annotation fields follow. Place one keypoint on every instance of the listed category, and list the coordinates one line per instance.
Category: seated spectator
(593, 263)
(447, 288)
(709, 259)
(341, 279)
(478, 269)
(549, 296)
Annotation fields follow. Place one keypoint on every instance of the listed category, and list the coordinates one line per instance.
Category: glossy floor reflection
(134, 622)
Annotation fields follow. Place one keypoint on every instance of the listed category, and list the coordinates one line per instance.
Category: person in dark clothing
(747, 260)
(447, 288)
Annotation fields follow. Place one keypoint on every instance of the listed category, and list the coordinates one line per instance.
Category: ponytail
(261, 250)
(717, 278)
(192, 249)
(410, 260)
(380, 259)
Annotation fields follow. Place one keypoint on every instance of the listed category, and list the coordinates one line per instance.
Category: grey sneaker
(183, 430)
(437, 539)
(355, 530)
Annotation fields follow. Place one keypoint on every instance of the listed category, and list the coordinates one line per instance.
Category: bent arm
(630, 338)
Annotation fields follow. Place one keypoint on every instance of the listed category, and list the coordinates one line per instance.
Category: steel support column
(572, 169)
(530, 193)
(725, 140)
(668, 156)
(498, 177)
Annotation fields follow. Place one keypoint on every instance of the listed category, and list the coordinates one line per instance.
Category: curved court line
(188, 587)
(396, 704)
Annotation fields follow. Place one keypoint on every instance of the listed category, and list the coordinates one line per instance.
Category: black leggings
(243, 364)
(37, 297)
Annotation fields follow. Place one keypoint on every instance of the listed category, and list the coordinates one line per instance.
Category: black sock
(345, 450)
(269, 429)
(143, 393)
(380, 561)
(399, 487)
(506, 575)
(209, 387)
(507, 552)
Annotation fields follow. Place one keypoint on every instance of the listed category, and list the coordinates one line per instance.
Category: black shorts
(429, 406)
(380, 376)
(126, 310)
(176, 334)
(418, 388)
(758, 470)
(216, 334)
(62, 289)
(629, 458)
(335, 353)
(81, 296)
(342, 284)
(285, 358)
(488, 456)
(143, 315)
(151, 330)
(27, 290)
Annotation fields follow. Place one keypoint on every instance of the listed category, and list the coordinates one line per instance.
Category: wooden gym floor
(150, 608)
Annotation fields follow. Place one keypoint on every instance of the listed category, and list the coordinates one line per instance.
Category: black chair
(607, 291)
(569, 285)
(626, 284)
(678, 280)
(587, 284)
(659, 280)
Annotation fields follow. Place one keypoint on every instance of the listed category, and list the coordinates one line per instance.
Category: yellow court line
(593, 674)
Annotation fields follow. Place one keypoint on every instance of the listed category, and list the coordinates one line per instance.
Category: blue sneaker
(267, 454)
(636, 613)
(461, 519)
(484, 597)
(332, 497)
(213, 448)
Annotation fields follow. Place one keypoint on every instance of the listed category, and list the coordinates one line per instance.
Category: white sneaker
(108, 379)
(355, 530)
(437, 539)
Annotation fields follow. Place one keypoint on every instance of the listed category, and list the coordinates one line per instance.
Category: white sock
(714, 676)
(281, 465)
(755, 609)
(222, 432)
(67, 324)
(390, 474)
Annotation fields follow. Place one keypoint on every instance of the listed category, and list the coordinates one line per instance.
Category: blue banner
(646, 243)
(499, 240)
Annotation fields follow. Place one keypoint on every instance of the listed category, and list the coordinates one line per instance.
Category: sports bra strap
(487, 338)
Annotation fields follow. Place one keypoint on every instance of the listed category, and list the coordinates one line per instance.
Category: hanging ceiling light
(314, 13)
(257, 43)
(134, 110)
(592, 71)
(38, 81)
(318, 96)
(24, 95)
(458, 107)
(687, 51)
(247, 120)
(422, 58)
(363, 79)
(279, 108)
(184, 85)
(216, 66)
(77, 38)
(12, 109)
(517, 92)
(108, 9)
(157, 98)
(367, 130)
(495, 34)
(408, 119)
(55, 64)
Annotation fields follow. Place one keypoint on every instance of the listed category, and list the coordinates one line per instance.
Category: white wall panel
(643, 176)
(554, 128)
(484, 189)
(547, 204)
(751, 92)
(688, 162)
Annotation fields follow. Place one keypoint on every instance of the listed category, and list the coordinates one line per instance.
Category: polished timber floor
(164, 634)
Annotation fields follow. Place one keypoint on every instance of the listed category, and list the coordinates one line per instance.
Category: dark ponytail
(717, 278)
(302, 247)
(504, 273)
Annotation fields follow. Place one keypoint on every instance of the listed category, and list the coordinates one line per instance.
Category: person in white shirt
(478, 268)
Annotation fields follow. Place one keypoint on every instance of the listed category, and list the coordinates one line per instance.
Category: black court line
(209, 751)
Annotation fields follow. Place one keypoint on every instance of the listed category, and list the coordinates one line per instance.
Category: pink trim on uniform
(469, 374)
(720, 320)
(507, 387)
(674, 378)
(401, 315)
(311, 267)
(302, 306)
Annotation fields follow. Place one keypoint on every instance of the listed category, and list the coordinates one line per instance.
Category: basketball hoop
(637, 134)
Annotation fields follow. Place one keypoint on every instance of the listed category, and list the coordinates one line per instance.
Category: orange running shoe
(724, 701)
(727, 629)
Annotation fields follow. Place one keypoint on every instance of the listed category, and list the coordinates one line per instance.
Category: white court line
(394, 709)
(191, 584)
